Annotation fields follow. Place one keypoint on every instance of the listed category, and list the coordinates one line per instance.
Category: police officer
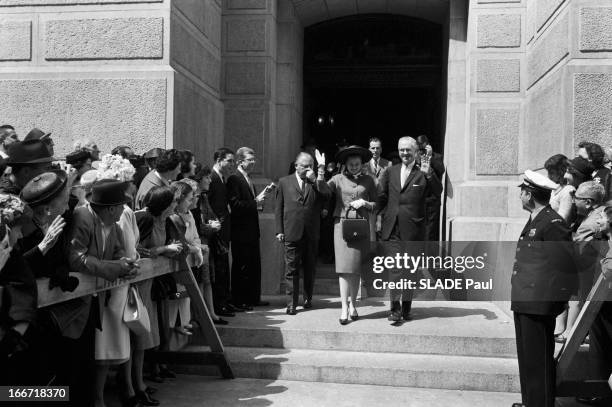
(543, 279)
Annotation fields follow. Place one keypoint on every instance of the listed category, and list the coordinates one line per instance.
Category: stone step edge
(425, 371)
(363, 355)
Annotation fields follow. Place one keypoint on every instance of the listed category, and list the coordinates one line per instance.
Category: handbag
(355, 229)
(135, 314)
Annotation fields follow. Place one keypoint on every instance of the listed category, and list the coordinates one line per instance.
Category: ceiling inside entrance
(314, 11)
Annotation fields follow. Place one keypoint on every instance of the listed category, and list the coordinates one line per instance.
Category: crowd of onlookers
(99, 214)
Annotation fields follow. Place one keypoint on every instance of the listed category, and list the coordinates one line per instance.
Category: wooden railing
(150, 268)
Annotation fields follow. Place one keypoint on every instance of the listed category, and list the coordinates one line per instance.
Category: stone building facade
(524, 79)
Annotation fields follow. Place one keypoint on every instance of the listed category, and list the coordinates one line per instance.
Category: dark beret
(44, 188)
(77, 156)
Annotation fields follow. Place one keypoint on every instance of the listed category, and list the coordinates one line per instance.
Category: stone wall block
(196, 123)
(193, 56)
(245, 78)
(596, 29)
(107, 38)
(499, 31)
(549, 49)
(592, 108)
(194, 11)
(120, 109)
(498, 75)
(246, 4)
(479, 200)
(245, 127)
(245, 35)
(213, 23)
(15, 40)
(545, 119)
(497, 133)
(11, 3)
(544, 10)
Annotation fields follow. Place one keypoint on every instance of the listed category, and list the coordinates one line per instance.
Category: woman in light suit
(355, 197)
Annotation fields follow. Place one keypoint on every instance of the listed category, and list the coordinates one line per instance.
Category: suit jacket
(87, 255)
(544, 275)
(590, 245)
(377, 173)
(150, 181)
(217, 197)
(298, 214)
(245, 216)
(202, 214)
(406, 205)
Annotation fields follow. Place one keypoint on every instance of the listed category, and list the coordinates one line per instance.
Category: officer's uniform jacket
(544, 274)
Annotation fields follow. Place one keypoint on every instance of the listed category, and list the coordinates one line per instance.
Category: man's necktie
(404, 174)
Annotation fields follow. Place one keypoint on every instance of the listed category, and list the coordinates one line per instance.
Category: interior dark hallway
(373, 76)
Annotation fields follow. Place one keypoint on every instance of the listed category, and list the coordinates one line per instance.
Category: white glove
(320, 157)
(358, 203)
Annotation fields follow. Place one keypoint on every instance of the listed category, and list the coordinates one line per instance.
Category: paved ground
(200, 391)
(465, 318)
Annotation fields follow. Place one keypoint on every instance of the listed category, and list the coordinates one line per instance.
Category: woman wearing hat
(355, 197)
(44, 241)
(153, 221)
(18, 303)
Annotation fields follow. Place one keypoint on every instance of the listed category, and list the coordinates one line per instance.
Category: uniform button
(528, 244)
(521, 238)
(514, 273)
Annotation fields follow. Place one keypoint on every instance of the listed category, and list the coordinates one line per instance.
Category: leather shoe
(234, 308)
(343, 321)
(592, 401)
(518, 405)
(245, 307)
(291, 311)
(225, 312)
(145, 399)
(406, 307)
(261, 304)
(307, 304)
(396, 312)
(395, 316)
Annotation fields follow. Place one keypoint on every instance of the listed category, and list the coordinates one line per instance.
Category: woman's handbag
(355, 229)
(135, 314)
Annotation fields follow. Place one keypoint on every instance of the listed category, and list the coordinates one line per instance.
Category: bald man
(402, 191)
(299, 199)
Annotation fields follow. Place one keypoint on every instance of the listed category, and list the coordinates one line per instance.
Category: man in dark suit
(299, 199)
(217, 196)
(434, 200)
(246, 259)
(377, 165)
(543, 278)
(402, 191)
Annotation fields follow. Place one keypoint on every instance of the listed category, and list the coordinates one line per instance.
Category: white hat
(534, 180)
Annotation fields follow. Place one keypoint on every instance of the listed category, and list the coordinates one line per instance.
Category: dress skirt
(113, 342)
(350, 257)
(151, 339)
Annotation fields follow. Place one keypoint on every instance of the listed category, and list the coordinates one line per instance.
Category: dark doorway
(373, 76)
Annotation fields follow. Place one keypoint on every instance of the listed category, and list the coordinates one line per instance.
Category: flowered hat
(12, 209)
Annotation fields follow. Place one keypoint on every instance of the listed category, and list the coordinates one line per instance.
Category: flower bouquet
(115, 167)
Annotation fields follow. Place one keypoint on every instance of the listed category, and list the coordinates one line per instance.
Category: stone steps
(372, 368)
(447, 345)
(363, 341)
